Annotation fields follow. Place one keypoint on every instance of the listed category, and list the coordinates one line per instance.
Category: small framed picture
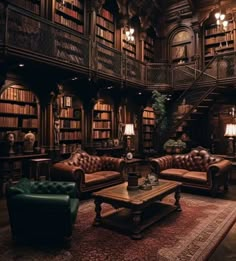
(67, 101)
(116, 142)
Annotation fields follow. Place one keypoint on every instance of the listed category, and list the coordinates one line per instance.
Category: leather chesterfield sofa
(88, 171)
(42, 209)
(196, 169)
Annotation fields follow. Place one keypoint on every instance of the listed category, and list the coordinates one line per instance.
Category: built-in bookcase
(30, 5)
(70, 124)
(105, 28)
(102, 121)
(70, 13)
(218, 40)
(129, 47)
(19, 112)
(148, 50)
(148, 123)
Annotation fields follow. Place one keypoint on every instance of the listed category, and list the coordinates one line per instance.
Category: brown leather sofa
(196, 169)
(89, 172)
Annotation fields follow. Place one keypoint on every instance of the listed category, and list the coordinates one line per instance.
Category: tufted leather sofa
(42, 209)
(89, 172)
(197, 169)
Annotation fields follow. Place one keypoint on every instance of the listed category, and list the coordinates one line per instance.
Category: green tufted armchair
(42, 209)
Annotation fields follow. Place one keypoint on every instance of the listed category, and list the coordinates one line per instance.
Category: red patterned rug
(188, 235)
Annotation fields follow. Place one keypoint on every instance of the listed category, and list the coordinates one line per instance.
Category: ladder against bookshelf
(102, 122)
(70, 124)
(105, 28)
(19, 113)
(70, 14)
(148, 123)
(30, 5)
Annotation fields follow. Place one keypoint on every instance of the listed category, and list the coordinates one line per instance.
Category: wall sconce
(220, 20)
(230, 132)
(129, 131)
(62, 3)
(129, 34)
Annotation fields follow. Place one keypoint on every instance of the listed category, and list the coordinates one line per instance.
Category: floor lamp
(230, 132)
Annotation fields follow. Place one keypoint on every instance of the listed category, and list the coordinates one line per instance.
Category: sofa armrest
(161, 163)
(220, 168)
(54, 187)
(61, 171)
(39, 202)
(112, 163)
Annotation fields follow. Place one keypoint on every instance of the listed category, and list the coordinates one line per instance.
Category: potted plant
(169, 145)
(159, 108)
(179, 146)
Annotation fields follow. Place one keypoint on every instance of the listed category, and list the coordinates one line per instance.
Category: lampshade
(230, 130)
(129, 129)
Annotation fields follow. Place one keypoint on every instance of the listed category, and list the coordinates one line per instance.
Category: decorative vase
(29, 140)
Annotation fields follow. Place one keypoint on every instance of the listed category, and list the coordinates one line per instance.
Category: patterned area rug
(188, 235)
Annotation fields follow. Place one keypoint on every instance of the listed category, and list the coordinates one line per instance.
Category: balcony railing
(30, 35)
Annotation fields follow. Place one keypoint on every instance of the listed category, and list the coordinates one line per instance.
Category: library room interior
(117, 130)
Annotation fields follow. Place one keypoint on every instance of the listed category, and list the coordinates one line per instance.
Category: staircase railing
(204, 84)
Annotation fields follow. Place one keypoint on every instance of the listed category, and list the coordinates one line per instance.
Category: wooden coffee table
(135, 210)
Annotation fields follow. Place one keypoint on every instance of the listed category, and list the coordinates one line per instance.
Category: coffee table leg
(136, 217)
(177, 198)
(98, 208)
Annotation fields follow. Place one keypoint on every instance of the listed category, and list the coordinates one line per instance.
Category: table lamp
(230, 131)
(128, 132)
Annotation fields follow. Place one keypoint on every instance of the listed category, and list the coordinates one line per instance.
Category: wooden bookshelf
(70, 124)
(148, 50)
(30, 5)
(105, 28)
(148, 123)
(71, 14)
(129, 48)
(102, 121)
(217, 40)
(19, 113)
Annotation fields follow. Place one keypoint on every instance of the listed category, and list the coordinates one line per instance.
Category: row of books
(149, 121)
(69, 11)
(102, 115)
(102, 106)
(101, 124)
(69, 23)
(105, 42)
(9, 121)
(68, 135)
(17, 94)
(69, 57)
(218, 39)
(148, 114)
(148, 47)
(149, 41)
(105, 34)
(147, 136)
(30, 123)
(108, 15)
(18, 109)
(104, 23)
(74, 3)
(215, 30)
(70, 124)
(101, 134)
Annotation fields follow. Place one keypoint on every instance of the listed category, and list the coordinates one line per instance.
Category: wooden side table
(37, 166)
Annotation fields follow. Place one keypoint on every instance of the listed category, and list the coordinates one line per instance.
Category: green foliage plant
(159, 108)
